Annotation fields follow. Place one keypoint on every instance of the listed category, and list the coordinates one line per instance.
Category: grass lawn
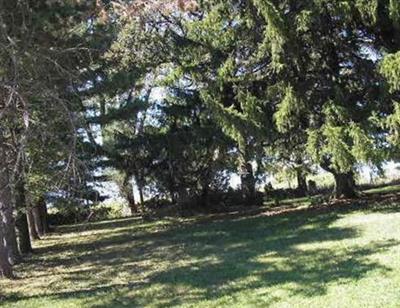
(307, 201)
(291, 201)
(384, 190)
(312, 259)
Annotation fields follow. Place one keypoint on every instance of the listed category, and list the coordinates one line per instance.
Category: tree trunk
(8, 240)
(42, 206)
(248, 183)
(345, 186)
(301, 182)
(204, 196)
(128, 194)
(31, 224)
(10, 234)
(182, 198)
(5, 265)
(24, 240)
(139, 183)
(172, 195)
(141, 196)
(172, 187)
(205, 184)
(7, 210)
(37, 220)
(132, 204)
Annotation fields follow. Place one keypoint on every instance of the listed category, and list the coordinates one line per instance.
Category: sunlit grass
(384, 190)
(315, 259)
(309, 200)
(291, 201)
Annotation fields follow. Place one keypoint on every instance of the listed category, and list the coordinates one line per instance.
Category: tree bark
(128, 194)
(172, 194)
(37, 220)
(7, 209)
(10, 234)
(345, 186)
(182, 198)
(141, 196)
(8, 239)
(301, 182)
(24, 240)
(139, 184)
(42, 206)
(172, 184)
(5, 265)
(31, 224)
(248, 183)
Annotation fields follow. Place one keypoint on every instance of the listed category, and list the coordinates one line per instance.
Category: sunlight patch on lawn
(308, 260)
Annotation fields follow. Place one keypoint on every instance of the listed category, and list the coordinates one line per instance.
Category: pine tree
(43, 50)
(252, 65)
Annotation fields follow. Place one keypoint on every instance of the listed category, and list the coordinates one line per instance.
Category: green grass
(384, 190)
(307, 201)
(291, 201)
(314, 259)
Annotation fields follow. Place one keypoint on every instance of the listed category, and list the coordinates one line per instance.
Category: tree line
(175, 96)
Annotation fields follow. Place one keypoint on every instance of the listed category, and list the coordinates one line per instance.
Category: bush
(65, 213)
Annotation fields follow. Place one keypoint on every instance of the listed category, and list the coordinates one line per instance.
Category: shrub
(64, 213)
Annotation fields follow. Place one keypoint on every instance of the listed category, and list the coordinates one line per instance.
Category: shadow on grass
(213, 260)
(117, 223)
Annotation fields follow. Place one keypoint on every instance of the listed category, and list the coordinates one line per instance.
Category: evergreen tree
(43, 50)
